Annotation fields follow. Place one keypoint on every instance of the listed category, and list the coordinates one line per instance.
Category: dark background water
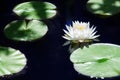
(47, 58)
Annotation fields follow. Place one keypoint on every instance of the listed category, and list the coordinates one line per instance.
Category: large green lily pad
(100, 60)
(23, 31)
(11, 61)
(104, 7)
(35, 10)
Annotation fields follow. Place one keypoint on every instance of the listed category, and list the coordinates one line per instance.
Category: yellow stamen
(80, 27)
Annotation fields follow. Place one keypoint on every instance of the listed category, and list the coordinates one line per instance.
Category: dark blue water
(47, 58)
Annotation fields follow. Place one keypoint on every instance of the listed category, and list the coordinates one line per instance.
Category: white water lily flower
(80, 32)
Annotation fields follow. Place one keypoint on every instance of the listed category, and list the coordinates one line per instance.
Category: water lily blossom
(80, 32)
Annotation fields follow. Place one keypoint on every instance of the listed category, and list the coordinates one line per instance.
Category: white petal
(92, 29)
(88, 25)
(73, 24)
(73, 33)
(95, 36)
(68, 28)
(67, 32)
(66, 38)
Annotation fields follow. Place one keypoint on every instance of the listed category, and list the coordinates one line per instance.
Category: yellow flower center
(80, 27)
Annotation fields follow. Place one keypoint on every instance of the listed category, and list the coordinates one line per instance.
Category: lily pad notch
(19, 30)
(100, 60)
(35, 10)
(31, 27)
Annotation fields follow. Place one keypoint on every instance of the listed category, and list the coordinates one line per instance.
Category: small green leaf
(35, 10)
(11, 61)
(23, 31)
(99, 60)
(104, 7)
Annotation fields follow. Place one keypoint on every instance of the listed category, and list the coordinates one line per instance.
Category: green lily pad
(23, 31)
(104, 7)
(101, 60)
(35, 10)
(11, 61)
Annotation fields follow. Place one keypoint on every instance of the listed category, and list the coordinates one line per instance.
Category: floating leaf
(23, 31)
(104, 7)
(11, 61)
(99, 60)
(35, 10)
